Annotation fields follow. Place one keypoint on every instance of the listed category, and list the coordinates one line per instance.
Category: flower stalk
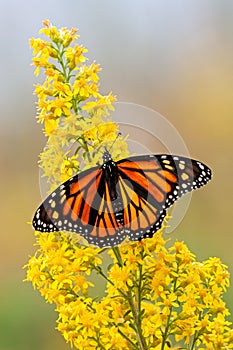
(135, 312)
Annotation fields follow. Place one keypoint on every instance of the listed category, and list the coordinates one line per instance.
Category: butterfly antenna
(118, 134)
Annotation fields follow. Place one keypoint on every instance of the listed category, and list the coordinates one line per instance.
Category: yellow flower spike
(156, 297)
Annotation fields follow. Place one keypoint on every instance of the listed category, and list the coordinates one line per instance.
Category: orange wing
(150, 184)
(128, 197)
(83, 205)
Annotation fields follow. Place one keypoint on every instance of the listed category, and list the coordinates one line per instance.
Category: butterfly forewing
(157, 181)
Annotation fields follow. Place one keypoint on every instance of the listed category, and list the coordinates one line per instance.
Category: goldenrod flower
(165, 310)
(68, 83)
(156, 297)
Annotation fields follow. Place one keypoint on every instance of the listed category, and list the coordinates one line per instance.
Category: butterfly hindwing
(63, 207)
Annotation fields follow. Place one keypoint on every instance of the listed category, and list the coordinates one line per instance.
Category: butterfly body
(110, 175)
(117, 199)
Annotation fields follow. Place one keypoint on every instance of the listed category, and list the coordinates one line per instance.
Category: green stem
(98, 343)
(196, 334)
(136, 317)
(195, 337)
(165, 334)
(61, 61)
(101, 273)
(65, 71)
(135, 312)
(118, 255)
(139, 288)
(127, 338)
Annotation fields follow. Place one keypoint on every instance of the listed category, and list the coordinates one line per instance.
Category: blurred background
(175, 57)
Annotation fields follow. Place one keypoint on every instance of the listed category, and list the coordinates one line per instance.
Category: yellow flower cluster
(70, 106)
(155, 296)
(59, 267)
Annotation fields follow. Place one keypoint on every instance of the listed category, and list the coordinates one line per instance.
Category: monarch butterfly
(129, 197)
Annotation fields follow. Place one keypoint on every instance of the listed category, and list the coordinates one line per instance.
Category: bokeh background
(175, 57)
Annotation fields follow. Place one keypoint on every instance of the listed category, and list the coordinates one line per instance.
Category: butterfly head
(106, 156)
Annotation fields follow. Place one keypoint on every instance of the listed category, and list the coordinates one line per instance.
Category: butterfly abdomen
(111, 178)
